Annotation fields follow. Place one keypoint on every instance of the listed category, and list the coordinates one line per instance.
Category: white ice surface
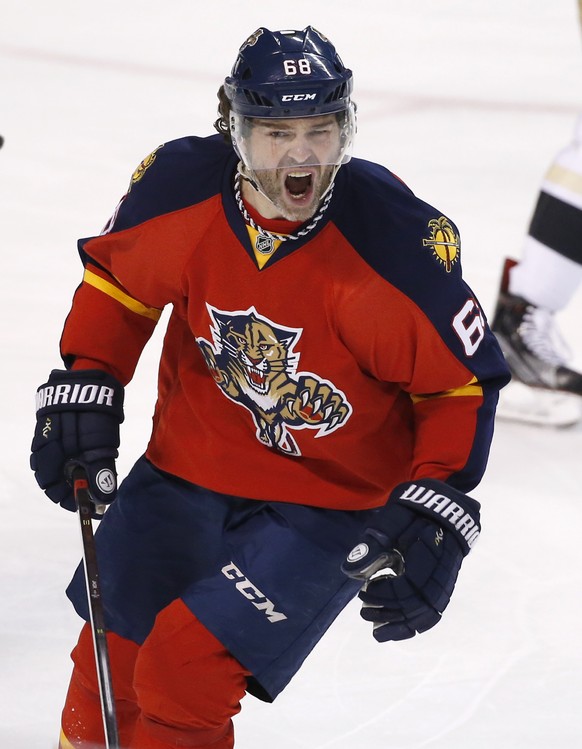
(467, 101)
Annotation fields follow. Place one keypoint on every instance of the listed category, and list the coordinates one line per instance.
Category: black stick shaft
(85, 507)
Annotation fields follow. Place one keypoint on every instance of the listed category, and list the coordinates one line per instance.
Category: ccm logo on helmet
(299, 97)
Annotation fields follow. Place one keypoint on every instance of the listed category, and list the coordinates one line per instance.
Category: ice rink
(467, 102)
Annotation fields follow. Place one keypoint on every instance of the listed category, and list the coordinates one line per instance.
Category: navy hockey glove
(77, 423)
(410, 556)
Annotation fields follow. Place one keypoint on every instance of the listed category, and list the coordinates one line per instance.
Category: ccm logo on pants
(248, 590)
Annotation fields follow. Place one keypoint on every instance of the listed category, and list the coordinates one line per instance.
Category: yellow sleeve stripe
(64, 742)
(472, 388)
(108, 288)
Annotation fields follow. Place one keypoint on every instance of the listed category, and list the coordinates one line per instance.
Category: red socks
(181, 688)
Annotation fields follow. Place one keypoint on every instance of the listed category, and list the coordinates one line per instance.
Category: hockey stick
(86, 507)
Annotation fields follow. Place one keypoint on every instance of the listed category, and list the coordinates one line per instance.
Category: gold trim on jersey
(472, 388)
(120, 296)
(559, 175)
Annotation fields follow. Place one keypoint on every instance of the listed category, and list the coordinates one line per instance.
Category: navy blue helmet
(288, 74)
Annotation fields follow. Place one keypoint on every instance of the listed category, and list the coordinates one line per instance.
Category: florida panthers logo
(253, 361)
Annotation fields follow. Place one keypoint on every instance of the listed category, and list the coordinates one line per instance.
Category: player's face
(293, 161)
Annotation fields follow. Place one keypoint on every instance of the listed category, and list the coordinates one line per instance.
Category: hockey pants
(181, 688)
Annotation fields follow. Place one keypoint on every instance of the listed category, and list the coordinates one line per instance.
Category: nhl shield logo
(265, 244)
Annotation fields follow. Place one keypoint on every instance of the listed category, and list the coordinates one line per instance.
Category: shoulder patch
(143, 166)
(444, 242)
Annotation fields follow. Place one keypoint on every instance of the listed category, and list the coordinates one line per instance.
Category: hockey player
(327, 383)
(535, 289)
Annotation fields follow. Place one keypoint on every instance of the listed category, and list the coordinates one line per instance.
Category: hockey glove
(77, 423)
(410, 556)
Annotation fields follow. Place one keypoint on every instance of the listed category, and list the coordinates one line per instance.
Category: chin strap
(243, 173)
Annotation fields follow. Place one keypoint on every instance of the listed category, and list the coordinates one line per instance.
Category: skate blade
(529, 405)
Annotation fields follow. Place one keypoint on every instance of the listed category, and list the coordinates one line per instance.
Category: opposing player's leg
(533, 290)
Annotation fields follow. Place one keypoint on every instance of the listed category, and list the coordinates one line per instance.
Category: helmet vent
(253, 97)
(338, 93)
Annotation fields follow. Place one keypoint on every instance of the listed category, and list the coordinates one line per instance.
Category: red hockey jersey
(355, 358)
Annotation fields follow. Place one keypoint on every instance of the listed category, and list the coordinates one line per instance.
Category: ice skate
(544, 389)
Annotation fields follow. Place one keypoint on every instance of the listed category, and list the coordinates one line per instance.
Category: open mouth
(299, 184)
(257, 378)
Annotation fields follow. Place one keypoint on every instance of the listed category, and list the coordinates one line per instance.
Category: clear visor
(273, 143)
